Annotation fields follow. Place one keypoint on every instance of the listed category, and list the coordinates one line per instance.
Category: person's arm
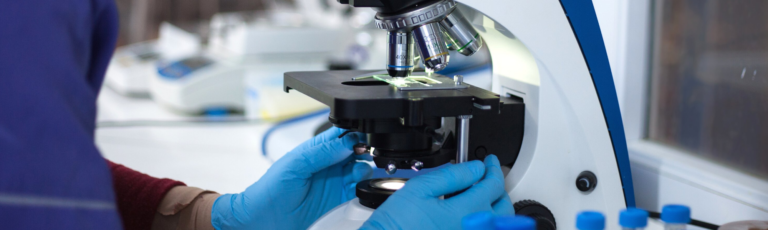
(185, 208)
(146, 202)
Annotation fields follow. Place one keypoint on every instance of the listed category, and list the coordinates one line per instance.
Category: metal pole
(462, 153)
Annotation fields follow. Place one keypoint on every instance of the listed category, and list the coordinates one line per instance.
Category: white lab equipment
(198, 84)
(131, 68)
(548, 54)
(241, 68)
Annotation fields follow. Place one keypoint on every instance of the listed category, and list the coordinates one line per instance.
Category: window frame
(632, 72)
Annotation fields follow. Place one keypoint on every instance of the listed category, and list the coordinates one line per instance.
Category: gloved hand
(313, 178)
(418, 205)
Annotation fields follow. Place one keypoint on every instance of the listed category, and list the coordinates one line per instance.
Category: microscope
(551, 116)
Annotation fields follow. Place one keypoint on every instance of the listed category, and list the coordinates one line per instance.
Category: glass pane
(709, 93)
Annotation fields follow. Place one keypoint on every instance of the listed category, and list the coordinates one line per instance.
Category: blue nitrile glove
(418, 205)
(313, 178)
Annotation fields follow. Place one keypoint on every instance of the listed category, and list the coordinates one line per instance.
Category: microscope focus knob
(544, 218)
(586, 181)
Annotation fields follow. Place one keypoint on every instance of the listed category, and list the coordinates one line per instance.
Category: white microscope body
(537, 56)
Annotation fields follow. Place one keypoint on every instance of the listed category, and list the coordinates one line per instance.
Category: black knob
(586, 182)
(540, 213)
(343, 1)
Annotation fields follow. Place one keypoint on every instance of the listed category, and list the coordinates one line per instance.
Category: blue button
(589, 220)
(676, 214)
(478, 221)
(514, 223)
(216, 112)
(633, 218)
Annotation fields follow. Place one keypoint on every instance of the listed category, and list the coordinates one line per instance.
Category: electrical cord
(693, 222)
(285, 123)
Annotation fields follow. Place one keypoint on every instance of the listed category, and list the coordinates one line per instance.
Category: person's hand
(418, 204)
(315, 177)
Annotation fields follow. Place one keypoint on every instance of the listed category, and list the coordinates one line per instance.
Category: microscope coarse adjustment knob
(540, 213)
(586, 182)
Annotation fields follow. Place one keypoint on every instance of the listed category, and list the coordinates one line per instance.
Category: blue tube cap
(633, 218)
(590, 220)
(517, 222)
(478, 221)
(676, 214)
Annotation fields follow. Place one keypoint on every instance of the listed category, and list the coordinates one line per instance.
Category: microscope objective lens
(460, 34)
(429, 39)
(400, 54)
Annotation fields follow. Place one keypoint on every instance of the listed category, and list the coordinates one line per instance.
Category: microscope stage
(369, 98)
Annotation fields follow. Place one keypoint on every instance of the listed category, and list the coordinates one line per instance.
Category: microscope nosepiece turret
(433, 27)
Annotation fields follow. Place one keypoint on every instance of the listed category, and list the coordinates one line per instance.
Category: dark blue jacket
(53, 55)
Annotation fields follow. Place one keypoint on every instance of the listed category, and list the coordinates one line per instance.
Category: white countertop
(222, 156)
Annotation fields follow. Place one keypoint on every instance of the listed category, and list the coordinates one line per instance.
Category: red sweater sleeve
(138, 195)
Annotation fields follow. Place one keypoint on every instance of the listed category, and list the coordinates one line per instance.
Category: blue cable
(285, 123)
